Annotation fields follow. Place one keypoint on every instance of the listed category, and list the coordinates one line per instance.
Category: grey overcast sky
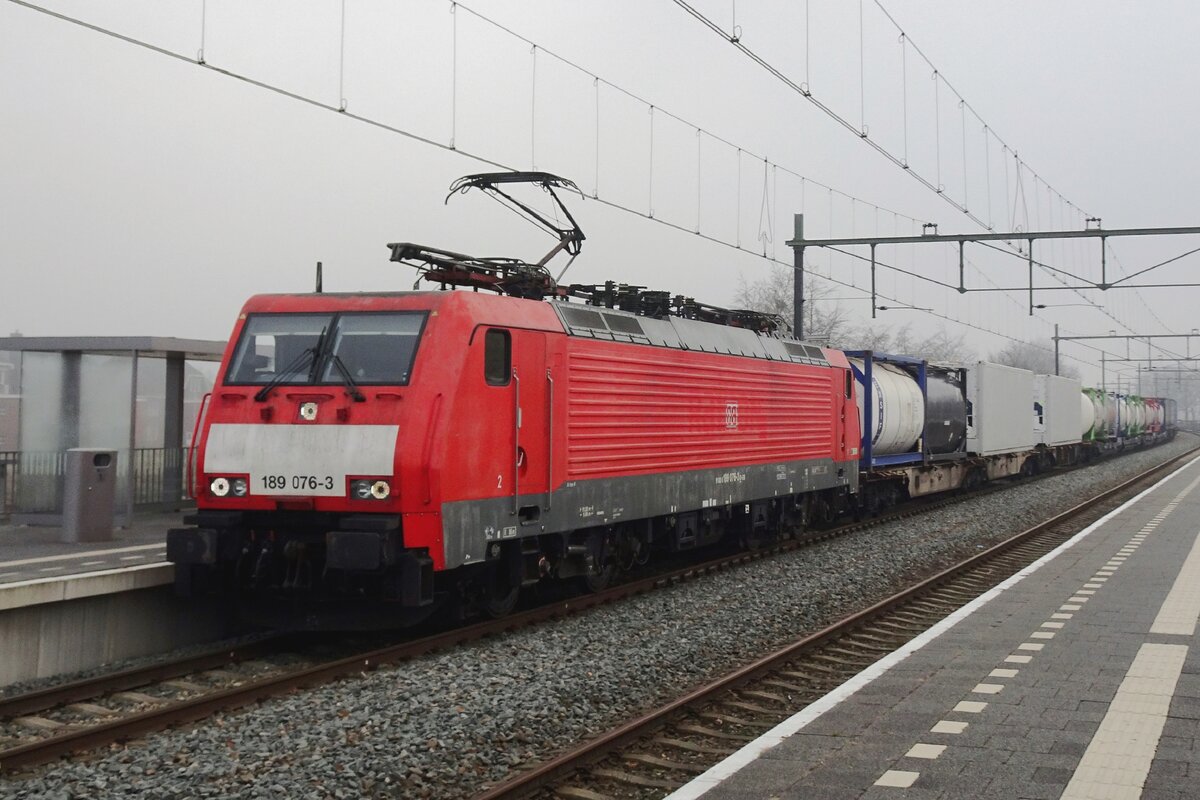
(146, 195)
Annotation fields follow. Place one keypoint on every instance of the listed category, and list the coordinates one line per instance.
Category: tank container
(915, 409)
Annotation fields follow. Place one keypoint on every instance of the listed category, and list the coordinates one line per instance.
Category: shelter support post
(174, 456)
(130, 476)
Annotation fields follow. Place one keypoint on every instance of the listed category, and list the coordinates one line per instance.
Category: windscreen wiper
(351, 386)
(297, 363)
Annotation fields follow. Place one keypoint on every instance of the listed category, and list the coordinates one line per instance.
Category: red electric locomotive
(410, 448)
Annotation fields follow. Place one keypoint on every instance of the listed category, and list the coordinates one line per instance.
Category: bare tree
(1027, 355)
(826, 321)
(941, 345)
(823, 320)
(944, 346)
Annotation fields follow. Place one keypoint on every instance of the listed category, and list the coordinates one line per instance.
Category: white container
(1062, 412)
(1110, 414)
(1090, 415)
(1001, 419)
(898, 409)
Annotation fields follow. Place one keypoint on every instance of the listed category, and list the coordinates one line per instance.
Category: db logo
(731, 415)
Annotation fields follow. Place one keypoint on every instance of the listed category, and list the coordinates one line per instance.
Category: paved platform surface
(30, 552)
(1077, 678)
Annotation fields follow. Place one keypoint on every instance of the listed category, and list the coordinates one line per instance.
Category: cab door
(532, 387)
(849, 437)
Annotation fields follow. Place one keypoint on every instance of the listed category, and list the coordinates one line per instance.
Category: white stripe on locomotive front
(317, 451)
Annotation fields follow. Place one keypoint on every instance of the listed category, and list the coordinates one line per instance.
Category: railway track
(41, 726)
(652, 755)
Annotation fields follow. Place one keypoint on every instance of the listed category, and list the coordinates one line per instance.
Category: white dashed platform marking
(1177, 616)
(897, 778)
(1120, 754)
(926, 750)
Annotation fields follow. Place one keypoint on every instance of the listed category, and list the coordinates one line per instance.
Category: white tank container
(1100, 405)
(898, 415)
(1089, 415)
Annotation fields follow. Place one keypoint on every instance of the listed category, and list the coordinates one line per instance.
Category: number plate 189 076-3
(285, 484)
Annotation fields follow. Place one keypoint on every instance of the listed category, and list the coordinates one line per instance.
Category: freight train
(366, 459)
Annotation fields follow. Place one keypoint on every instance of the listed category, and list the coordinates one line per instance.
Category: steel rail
(549, 772)
(198, 707)
(132, 678)
(175, 712)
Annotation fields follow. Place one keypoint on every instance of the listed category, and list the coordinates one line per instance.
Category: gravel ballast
(442, 725)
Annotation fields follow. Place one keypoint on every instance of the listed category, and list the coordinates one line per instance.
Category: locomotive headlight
(219, 487)
(239, 487)
(370, 489)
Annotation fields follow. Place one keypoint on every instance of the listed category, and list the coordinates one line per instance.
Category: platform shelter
(137, 395)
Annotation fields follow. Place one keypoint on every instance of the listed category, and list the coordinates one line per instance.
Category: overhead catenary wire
(935, 186)
(987, 165)
(203, 30)
(453, 73)
(659, 109)
(451, 147)
(342, 61)
(807, 93)
(533, 108)
(320, 104)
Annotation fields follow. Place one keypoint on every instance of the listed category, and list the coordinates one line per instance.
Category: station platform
(1079, 677)
(37, 567)
(69, 607)
(31, 552)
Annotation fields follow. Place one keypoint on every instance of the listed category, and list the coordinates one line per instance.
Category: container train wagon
(930, 428)
(366, 459)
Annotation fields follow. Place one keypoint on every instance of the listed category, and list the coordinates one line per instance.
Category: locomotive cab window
(372, 348)
(497, 357)
(277, 344)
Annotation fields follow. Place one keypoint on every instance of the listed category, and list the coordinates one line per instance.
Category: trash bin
(89, 495)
